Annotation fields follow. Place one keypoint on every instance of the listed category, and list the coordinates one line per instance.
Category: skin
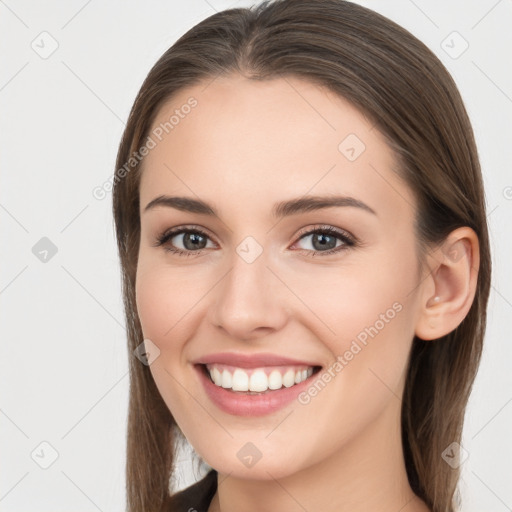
(246, 146)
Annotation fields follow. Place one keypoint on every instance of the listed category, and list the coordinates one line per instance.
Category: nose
(249, 302)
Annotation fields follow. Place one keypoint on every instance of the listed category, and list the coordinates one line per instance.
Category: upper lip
(251, 360)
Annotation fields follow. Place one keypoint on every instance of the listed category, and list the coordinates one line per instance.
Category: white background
(64, 362)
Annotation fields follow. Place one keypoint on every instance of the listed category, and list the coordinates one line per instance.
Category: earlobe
(453, 277)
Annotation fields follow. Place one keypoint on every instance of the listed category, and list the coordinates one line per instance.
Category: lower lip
(242, 404)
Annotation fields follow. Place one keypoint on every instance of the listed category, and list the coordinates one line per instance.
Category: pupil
(192, 241)
(323, 241)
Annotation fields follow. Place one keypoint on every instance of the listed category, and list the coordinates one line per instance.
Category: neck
(368, 473)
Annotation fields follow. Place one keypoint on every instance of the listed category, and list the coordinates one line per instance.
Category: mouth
(255, 384)
(257, 381)
(256, 391)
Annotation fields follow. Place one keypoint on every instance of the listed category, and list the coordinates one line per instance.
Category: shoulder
(197, 497)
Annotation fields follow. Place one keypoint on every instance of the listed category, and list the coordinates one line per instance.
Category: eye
(325, 240)
(192, 241)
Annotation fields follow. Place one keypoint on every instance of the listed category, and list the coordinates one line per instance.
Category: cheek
(365, 313)
(161, 304)
(153, 302)
(162, 293)
(346, 303)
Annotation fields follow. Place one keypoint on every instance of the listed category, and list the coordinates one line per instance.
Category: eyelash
(348, 240)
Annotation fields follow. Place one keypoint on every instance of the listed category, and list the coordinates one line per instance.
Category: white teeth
(217, 377)
(240, 380)
(257, 380)
(275, 380)
(227, 380)
(289, 379)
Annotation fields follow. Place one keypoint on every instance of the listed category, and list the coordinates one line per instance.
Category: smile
(257, 380)
(254, 391)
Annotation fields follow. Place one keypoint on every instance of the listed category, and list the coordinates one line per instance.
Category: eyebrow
(281, 209)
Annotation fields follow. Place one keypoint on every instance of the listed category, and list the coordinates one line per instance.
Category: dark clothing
(197, 497)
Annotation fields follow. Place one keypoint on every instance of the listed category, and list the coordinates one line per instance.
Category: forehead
(245, 144)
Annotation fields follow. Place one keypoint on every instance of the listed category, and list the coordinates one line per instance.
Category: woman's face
(260, 298)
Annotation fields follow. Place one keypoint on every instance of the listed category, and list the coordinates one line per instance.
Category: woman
(302, 232)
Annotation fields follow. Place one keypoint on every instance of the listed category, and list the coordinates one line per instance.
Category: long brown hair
(398, 83)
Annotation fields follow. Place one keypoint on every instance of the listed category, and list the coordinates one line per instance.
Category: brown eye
(192, 240)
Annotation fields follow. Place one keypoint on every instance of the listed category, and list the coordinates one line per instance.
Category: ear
(450, 287)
